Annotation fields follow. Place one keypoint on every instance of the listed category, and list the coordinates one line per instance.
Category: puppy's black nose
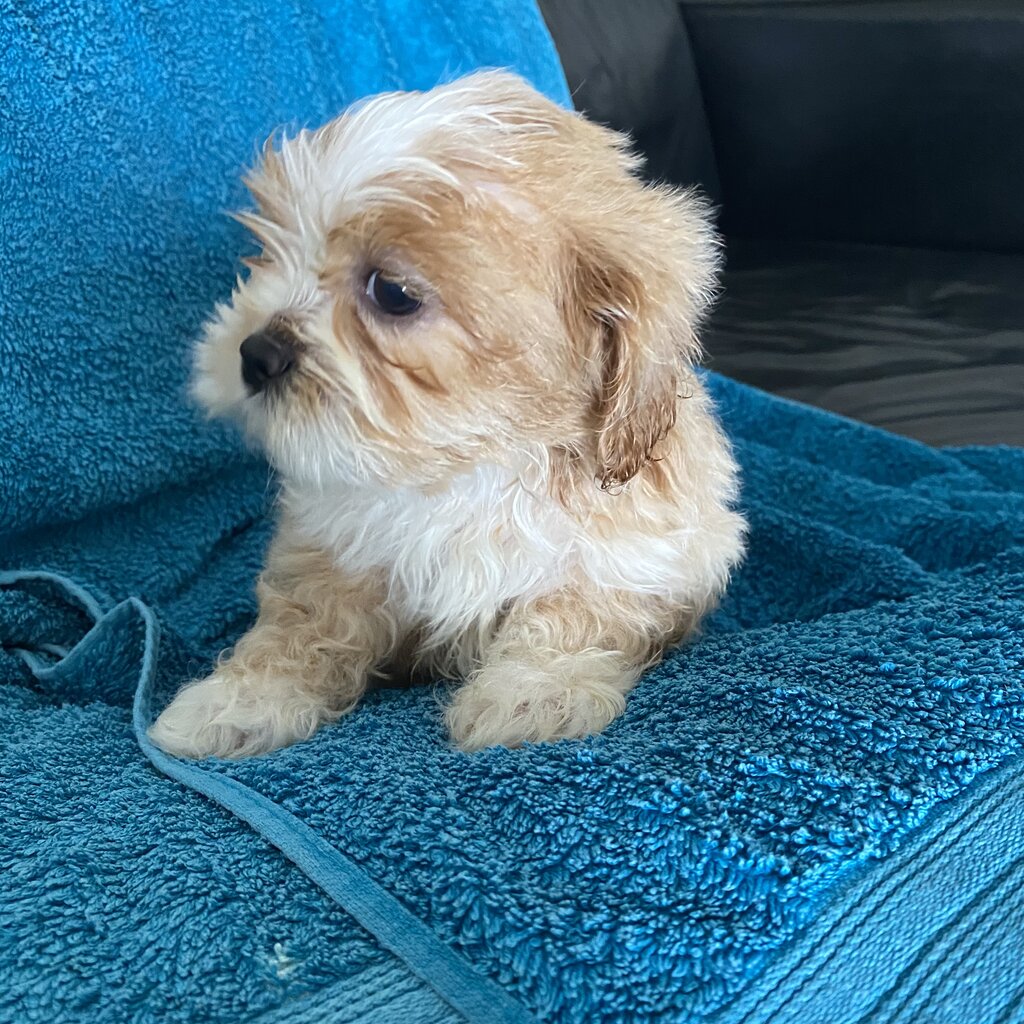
(266, 356)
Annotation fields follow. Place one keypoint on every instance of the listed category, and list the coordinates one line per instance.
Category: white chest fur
(453, 558)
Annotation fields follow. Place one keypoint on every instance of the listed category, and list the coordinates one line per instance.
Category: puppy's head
(466, 275)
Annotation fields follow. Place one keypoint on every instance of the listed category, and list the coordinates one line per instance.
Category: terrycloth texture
(124, 130)
(868, 664)
(931, 934)
(787, 824)
(744, 845)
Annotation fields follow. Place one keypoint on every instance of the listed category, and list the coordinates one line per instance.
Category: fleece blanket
(814, 813)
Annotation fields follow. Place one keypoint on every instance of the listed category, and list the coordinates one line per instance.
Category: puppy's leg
(305, 662)
(560, 667)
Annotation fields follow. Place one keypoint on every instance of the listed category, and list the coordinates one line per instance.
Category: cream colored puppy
(467, 348)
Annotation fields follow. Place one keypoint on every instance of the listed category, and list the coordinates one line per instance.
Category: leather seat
(866, 159)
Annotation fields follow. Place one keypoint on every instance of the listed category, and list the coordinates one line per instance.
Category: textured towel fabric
(812, 814)
(124, 129)
(867, 665)
(815, 813)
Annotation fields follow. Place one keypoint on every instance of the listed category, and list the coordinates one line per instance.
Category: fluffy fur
(522, 484)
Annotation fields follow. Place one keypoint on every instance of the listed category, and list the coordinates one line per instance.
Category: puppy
(467, 348)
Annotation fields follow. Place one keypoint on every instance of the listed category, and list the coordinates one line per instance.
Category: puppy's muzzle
(267, 356)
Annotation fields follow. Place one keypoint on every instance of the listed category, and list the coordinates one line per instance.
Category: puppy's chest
(451, 558)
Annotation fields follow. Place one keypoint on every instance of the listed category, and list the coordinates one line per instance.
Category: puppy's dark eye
(392, 297)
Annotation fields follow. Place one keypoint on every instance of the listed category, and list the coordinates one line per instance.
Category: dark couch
(867, 160)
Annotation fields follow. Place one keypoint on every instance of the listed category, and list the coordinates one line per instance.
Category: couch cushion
(897, 121)
(925, 343)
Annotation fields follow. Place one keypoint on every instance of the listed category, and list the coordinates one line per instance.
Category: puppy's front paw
(223, 717)
(509, 704)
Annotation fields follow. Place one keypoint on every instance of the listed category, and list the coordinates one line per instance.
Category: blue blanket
(815, 813)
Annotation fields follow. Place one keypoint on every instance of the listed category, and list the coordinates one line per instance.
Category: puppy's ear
(641, 277)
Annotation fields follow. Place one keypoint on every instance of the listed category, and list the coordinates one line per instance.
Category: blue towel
(814, 813)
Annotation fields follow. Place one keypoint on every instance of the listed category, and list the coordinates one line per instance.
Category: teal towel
(812, 814)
